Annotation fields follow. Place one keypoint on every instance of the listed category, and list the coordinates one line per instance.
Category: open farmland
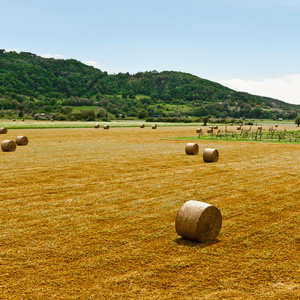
(90, 214)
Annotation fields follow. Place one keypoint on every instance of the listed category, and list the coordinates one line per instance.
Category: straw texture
(210, 155)
(21, 140)
(8, 146)
(191, 148)
(198, 221)
(3, 130)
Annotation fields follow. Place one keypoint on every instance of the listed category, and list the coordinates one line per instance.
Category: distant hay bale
(106, 126)
(191, 148)
(198, 221)
(22, 120)
(259, 128)
(97, 126)
(241, 124)
(198, 130)
(8, 145)
(210, 155)
(276, 125)
(154, 126)
(215, 127)
(51, 120)
(3, 130)
(14, 120)
(21, 140)
(210, 130)
(142, 126)
(239, 128)
(231, 124)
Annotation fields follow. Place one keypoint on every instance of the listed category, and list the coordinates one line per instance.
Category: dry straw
(191, 148)
(198, 221)
(97, 126)
(106, 126)
(210, 155)
(142, 126)
(198, 130)
(3, 130)
(8, 145)
(21, 140)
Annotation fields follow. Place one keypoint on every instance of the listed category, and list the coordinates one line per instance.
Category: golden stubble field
(90, 214)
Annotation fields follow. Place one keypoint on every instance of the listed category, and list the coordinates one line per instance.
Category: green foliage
(32, 83)
(297, 121)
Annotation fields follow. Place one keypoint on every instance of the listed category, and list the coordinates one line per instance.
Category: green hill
(30, 83)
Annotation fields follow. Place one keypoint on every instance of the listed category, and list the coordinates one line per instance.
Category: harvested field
(88, 214)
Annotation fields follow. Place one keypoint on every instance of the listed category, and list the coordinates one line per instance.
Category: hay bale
(8, 145)
(22, 120)
(198, 221)
(14, 120)
(276, 125)
(210, 130)
(239, 128)
(191, 148)
(106, 126)
(154, 126)
(198, 130)
(231, 124)
(51, 120)
(3, 130)
(259, 128)
(142, 126)
(210, 155)
(21, 140)
(97, 126)
(216, 127)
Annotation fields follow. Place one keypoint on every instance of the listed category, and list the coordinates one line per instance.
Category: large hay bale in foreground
(198, 221)
(3, 130)
(210, 155)
(8, 145)
(191, 148)
(106, 126)
(97, 126)
(21, 140)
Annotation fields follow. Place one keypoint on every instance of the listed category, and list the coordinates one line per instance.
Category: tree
(143, 114)
(205, 120)
(297, 121)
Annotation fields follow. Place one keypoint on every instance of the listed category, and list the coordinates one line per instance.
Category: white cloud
(92, 63)
(285, 88)
(57, 56)
(12, 50)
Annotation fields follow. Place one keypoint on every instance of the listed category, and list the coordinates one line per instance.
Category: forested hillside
(31, 84)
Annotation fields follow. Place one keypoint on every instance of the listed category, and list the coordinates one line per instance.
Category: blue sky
(247, 45)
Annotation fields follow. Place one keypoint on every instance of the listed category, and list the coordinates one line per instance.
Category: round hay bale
(21, 140)
(191, 148)
(210, 130)
(14, 120)
(142, 126)
(210, 155)
(154, 126)
(276, 125)
(22, 120)
(3, 130)
(51, 120)
(216, 127)
(231, 124)
(259, 128)
(97, 126)
(198, 221)
(198, 130)
(106, 126)
(239, 128)
(8, 145)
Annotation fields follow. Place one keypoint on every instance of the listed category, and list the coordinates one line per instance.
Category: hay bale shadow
(189, 243)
